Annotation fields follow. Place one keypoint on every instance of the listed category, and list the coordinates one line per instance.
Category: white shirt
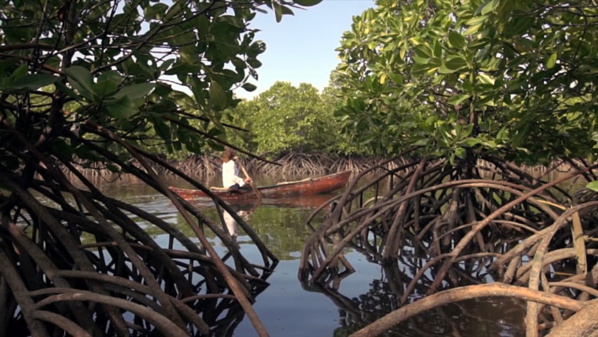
(230, 174)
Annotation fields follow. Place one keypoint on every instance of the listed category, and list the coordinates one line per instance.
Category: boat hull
(305, 187)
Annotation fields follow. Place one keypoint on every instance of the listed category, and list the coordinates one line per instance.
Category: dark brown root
(468, 225)
(76, 262)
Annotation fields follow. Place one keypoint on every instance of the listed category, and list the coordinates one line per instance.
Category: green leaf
(254, 63)
(68, 91)
(199, 89)
(456, 40)
(423, 51)
(489, 6)
(121, 108)
(437, 52)
(420, 60)
(217, 96)
(593, 185)
(477, 20)
(156, 11)
(32, 82)
(458, 99)
(135, 92)
(471, 142)
(486, 79)
(183, 68)
(551, 61)
(461, 153)
(81, 80)
(421, 142)
(455, 63)
(286, 10)
(503, 133)
(307, 3)
(104, 89)
(472, 29)
(166, 64)
(277, 11)
(255, 49)
(397, 78)
(110, 76)
(107, 83)
(249, 87)
(162, 129)
(20, 71)
(445, 70)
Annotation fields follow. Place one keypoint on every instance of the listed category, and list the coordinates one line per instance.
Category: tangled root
(76, 262)
(470, 224)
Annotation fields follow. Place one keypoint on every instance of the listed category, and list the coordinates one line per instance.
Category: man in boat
(230, 172)
(234, 183)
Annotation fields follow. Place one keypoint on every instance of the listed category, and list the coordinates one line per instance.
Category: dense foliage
(462, 78)
(127, 66)
(288, 119)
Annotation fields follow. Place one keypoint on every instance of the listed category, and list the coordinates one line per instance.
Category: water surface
(288, 309)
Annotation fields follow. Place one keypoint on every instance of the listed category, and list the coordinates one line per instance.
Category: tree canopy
(511, 78)
(128, 67)
(286, 119)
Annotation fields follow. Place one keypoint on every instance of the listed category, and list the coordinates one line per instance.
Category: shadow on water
(289, 308)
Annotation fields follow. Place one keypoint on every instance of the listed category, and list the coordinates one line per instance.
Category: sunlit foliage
(460, 78)
(286, 119)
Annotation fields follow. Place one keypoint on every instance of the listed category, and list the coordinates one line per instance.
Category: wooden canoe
(249, 204)
(305, 187)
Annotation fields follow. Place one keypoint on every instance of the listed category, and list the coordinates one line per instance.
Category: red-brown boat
(305, 187)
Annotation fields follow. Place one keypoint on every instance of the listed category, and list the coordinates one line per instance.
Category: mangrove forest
(441, 108)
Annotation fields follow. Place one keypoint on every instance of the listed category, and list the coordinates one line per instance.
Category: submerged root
(467, 226)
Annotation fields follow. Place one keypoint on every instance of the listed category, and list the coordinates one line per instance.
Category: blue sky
(300, 48)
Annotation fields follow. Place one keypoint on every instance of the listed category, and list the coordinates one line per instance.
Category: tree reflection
(488, 316)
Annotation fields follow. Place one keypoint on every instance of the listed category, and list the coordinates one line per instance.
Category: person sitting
(230, 172)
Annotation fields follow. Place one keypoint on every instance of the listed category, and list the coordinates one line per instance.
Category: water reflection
(289, 308)
(231, 224)
(492, 316)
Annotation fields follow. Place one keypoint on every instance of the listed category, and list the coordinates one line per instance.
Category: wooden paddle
(251, 183)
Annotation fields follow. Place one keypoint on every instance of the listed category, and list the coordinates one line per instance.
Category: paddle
(251, 183)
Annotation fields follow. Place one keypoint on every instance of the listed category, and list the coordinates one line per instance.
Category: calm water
(287, 309)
